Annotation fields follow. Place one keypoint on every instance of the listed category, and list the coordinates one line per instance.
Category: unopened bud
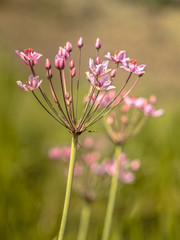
(73, 72)
(94, 96)
(80, 42)
(97, 61)
(67, 95)
(113, 73)
(124, 119)
(152, 99)
(68, 102)
(69, 47)
(49, 74)
(98, 43)
(70, 99)
(47, 64)
(71, 64)
(60, 63)
(110, 120)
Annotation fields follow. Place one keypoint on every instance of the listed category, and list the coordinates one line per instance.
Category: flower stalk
(112, 197)
(84, 220)
(68, 188)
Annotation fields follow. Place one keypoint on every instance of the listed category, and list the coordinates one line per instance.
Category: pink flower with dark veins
(98, 76)
(33, 83)
(134, 68)
(118, 57)
(100, 82)
(29, 56)
(99, 69)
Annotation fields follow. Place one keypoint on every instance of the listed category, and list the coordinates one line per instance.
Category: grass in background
(31, 188)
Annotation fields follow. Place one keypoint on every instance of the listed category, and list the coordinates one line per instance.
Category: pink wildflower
(149, 110)
(55, 153)
(33, 83)
(29, 56)
(118, 57)
(134, 68)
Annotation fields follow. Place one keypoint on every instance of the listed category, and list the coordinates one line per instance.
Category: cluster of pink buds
(127, 120)
(100, 77)
(92, 171)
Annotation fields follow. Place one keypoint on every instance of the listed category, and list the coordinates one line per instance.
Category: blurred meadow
(31, 186)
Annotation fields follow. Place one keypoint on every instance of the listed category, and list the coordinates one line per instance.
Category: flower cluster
(93, 171)
(99, 75)
(127, 120)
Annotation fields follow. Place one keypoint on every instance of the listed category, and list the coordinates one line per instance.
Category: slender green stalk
(84, 221)
(112, 197)
(68, 188)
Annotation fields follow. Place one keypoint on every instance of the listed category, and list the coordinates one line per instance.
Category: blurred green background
(31, 187)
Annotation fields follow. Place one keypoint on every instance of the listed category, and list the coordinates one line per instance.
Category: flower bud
(94, 96)
(60, 63)
(98, 43)
(71, 64)
(70, 99)
(97, 61)
(80, 42)
(113, 73)
(68, 47)
(67, 102)
(110, 120)
(67, 95)
(47, 64)
(152, 99)
(73, 72)
(124, 119)
(49, 74)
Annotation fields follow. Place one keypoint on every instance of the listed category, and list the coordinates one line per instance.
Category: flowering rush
(64, 108)
(128, 119)
(100, 77)
(93, 165)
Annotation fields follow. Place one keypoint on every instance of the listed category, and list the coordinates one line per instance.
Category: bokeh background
(31, 186)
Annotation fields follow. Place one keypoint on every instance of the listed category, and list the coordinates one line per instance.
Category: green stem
(68, 188)
(112, 197)
(84, 221)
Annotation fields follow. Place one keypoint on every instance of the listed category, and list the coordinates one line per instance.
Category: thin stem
(72, 95)
(57, 101)
(84, 221)
(77, 92)
(63, 92)
(112, 197)
(62, 123)
(97, 117)
(68, 188)
(89, 111)
(86, 107)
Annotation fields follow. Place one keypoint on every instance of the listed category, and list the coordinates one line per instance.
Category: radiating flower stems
(84, 220)
(68, 188)
(112, 197)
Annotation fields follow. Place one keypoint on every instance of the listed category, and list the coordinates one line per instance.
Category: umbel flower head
(92, 165)
(128, 119)
(100, 77)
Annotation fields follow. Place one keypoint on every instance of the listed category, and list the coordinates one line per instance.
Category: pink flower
(118, 57)
(99, 69)
(29, 56)
(55, 153)
(125, 173)
(134, 68)
(33, 83)
(149, 110)
(101, 82)
(98, 77)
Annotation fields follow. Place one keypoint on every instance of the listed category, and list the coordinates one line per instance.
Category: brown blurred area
(150, 35)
